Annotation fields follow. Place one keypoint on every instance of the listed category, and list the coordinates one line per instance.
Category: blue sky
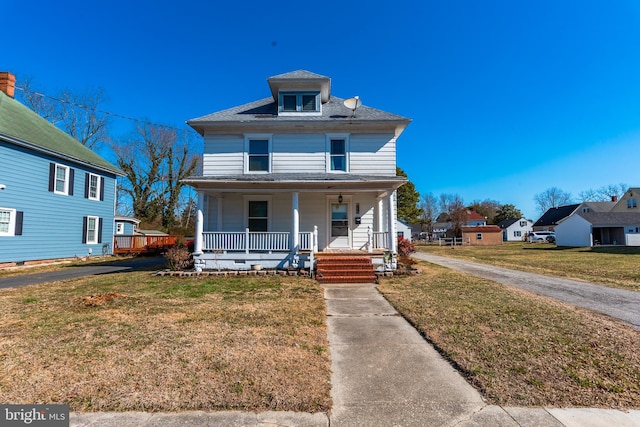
(506, 98)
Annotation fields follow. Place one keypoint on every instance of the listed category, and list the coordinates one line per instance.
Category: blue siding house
(57, 197)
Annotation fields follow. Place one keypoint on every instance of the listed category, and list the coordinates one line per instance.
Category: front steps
(344, 268)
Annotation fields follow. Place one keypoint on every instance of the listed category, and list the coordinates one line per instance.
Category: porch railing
(253, 241)
(380, 240)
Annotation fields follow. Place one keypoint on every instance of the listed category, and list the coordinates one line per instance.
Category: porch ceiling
(291, 182)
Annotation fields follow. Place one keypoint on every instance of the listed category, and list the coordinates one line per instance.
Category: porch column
(380, 221)
(393, 241)
(295, 228)
(220, 201)
(197, 244)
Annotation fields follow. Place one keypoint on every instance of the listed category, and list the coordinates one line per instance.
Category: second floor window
(632, 203)
(338, 155)
(258, 155)
(62, 179)
(94, 187)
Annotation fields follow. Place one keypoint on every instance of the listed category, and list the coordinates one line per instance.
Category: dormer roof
(300, 80)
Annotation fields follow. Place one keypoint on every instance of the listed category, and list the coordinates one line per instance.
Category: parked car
(540, 236)
(551, 238)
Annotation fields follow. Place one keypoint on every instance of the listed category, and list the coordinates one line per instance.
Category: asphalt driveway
(73, 272)
(618, 303)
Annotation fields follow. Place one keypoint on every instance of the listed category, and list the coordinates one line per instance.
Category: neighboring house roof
(473, 215)
(553, 215)
(21, 126)
(506, 223)
(611, 219)
(126, 219)
(482, 229)
(599, 206)
(266, 111)
(152, 233)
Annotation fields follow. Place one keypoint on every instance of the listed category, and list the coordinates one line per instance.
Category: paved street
(619, 303)
(72, 272)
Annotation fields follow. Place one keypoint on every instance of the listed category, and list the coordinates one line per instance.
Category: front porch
(255, 250)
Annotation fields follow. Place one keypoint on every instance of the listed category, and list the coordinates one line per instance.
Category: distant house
(471, 219)
(403, 230)
(516, 229)
(602, 223)
(552, 216)
(126, 225)
(482, 235)
(57, 197)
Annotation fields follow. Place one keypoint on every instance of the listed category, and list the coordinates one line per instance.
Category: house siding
(293, 153)
(573, 231)
(52, 223)
(373, 153)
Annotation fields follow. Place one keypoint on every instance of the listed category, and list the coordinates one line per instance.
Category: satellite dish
(353, 103)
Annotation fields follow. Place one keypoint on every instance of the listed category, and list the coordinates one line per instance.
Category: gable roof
(21, 126)
(553, 215)
(599, 206)
(506, 223)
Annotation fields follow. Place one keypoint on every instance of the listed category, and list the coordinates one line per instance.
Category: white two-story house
(295, 173)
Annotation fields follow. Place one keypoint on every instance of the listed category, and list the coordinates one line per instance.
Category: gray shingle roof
(610, 219)
(553, 215)
(20, 125)
(298, 74)
(266, 110)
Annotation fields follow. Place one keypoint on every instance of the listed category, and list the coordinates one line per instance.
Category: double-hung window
(632, 203)
(258, 154)
(337, 153)
(258, 214)
(61, 179)
(94, 187)
(7, 221)
(92, 230)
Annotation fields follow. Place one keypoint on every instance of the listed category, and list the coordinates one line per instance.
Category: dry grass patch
(610, 266)
(520, 349)
(136, 342)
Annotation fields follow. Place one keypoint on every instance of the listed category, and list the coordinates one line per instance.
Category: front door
(339, 227)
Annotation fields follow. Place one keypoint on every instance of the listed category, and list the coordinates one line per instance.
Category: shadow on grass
(619, 250)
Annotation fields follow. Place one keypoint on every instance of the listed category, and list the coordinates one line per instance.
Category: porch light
(340, 198)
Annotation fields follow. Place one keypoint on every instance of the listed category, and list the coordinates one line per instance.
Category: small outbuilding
(483, 235)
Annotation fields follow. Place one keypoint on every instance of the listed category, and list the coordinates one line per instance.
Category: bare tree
(77, 113)
(453, 206)
(603, 194)
(552, 198)
(429, 206)
(154, 162)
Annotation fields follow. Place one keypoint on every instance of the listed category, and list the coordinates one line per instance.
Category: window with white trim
(61, 185)
(517, 233)
(523, 223)
(337, 153)
(7, 221)
(92, 229)
(299, 102)
(94, 187)
(119, 227)
(257, 154)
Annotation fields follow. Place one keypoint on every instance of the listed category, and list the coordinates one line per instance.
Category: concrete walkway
(384, 374)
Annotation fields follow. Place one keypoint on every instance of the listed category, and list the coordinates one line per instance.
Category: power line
(107, 113)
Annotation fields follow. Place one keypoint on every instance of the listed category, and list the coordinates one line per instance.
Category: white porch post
(295, 226)
(380, 210)
(220, 201)
(393, 241)
(197, 244)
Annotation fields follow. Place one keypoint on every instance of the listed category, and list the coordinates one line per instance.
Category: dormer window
(299, 102)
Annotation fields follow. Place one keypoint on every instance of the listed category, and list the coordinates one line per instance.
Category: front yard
(610, 266)
(138, 342)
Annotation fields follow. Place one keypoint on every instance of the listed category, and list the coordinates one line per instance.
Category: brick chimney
(7, 83)
(614, 198)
